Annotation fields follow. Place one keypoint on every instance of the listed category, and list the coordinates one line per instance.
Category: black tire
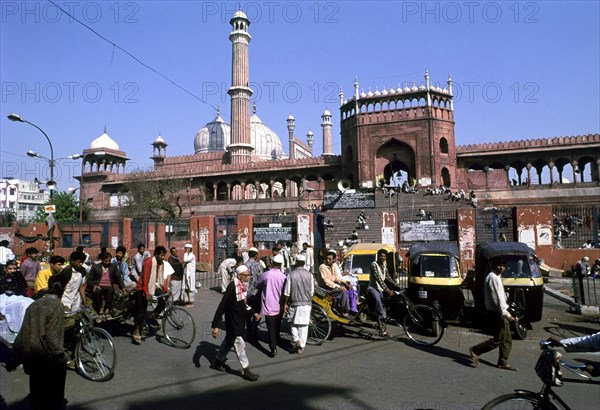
(423, 325)
(319, 327)
(520, 329)
(518, 400)
(95, 355)
(178, 327)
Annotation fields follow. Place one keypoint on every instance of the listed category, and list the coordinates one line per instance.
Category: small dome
(240, 14)
(326, 112)
(267, 145)
(291, 117)
(159, 141)
(214, 136)
(104, 142)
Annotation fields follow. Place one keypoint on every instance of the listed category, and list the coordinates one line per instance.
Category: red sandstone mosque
(244, 190)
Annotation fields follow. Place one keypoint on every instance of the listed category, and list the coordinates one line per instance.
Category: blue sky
(521, 70)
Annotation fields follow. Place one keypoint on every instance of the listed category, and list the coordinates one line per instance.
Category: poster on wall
(544, 235)
(388, 236)
(527, 236)
(274, 232)
(304, 230)
(440, 230)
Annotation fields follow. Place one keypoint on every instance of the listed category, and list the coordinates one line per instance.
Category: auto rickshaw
(522, 280)
(435, 278)
(357, 260)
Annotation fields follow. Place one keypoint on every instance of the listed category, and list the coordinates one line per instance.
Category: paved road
(348, 372)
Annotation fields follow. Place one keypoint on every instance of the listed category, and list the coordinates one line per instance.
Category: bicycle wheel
(95, 355)
(319, 326)
(423, 325)
(519, 400)
(178, 327)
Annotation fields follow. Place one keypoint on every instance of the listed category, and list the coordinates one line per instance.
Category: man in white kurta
(297, 299)
(226, 271)
(189, 275)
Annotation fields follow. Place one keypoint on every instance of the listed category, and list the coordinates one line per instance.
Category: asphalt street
(351, 371)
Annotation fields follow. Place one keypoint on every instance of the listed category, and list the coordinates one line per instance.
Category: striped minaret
(241, 147)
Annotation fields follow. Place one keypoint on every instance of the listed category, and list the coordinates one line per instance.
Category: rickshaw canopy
(443, 248)
(488, 250)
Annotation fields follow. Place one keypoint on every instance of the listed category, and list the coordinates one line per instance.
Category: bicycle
(95, 356)
(177, 324)
(545, 398)
(422, 324)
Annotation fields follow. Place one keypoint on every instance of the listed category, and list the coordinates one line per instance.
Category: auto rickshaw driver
(380, 281)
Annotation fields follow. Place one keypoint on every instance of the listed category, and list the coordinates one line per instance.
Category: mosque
(240, 183)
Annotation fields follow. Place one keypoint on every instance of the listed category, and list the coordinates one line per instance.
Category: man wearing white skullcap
(297, 298)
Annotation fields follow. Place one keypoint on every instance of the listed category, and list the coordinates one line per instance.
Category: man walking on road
(234, 307)
(271, 282)
(499, 317)
(297, 299)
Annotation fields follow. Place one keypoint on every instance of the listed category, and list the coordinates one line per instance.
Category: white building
(22, 198)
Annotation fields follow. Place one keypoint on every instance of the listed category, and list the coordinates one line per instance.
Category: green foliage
(7, 218)
(156, 198)
(67, 208)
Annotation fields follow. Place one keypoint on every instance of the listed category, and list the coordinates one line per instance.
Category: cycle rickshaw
(434, 277)
(94, 355)
(422, 324)
(522, 282)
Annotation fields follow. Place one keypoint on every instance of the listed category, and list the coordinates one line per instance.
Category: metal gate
(141, 232)
(494, 224)
(226, 239)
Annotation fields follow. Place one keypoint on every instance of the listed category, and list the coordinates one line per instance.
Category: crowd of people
(253, 289)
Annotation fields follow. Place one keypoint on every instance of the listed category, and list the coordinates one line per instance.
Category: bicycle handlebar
(547, 344)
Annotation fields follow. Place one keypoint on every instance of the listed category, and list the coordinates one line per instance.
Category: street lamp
(72, 190)
(51, 184)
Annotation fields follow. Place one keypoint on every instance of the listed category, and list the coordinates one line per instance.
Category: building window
(443, 145)
(67, 240)
(12, 191)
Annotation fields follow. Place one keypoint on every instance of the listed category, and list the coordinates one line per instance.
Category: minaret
(327, 140)
(241, 147)
(290, 127)
(427, 86)
(450, 91)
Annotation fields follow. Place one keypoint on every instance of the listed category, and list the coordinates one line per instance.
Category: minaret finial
(105, 128)
(254, 107)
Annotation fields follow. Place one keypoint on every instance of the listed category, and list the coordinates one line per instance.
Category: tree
(67, 208)
(7, 217)
(153, 198)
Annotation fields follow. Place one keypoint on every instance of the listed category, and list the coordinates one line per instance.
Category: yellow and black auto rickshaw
(522, 280)
(435, 278)
(357, 260)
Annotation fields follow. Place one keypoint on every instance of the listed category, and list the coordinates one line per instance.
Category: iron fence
(576, 226)
(494, 224)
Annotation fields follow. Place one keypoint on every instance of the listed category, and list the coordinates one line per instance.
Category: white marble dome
(104, 142)
(267, 145)
(213, 137)
(216, 136)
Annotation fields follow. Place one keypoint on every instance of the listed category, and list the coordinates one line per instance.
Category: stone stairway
(408, 206)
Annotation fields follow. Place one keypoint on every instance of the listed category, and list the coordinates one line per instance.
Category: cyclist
(589, 343)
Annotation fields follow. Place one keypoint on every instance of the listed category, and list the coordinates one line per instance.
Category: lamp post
(51, 184)
(83, 157)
